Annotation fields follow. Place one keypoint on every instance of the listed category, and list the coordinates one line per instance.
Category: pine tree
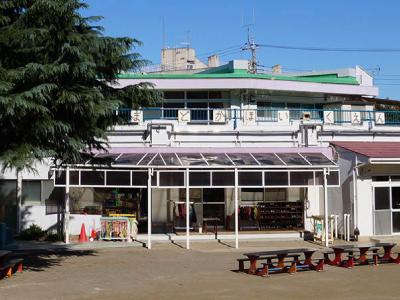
(57, 81)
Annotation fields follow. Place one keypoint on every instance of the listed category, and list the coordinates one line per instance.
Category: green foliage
(53, 237)
(33, 233)
(58, 89)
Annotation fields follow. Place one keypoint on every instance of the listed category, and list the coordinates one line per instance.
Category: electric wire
(312, 48)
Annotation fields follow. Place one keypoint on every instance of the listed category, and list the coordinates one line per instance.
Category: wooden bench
(293, 266)
(10, 267)
(3, 256)
(269, 259)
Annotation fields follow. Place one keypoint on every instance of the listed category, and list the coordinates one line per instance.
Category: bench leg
(375, 260)
(241, 266)
(264, 271)
(292, 268)
(19, 268)
(319, 266)
(9, 272)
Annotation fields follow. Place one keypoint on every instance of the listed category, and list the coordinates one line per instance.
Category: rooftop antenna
(252, 47)
(164, 35)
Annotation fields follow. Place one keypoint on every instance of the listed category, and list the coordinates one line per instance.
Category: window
(302, 178)
(276, 178)
(197, 95)
(172, 178)
(380, 178)
(174, 95)
(250, 178)
(92, 177)
(74, 177)
(60, 177)
(119, 178)
(396, 197)
(139, 178)
(382, 198)
(8, 192)
(223, 178)
(199, 178)
(215, 95)
(31, 191)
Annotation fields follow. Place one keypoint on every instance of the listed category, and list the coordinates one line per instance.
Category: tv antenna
(252, 47)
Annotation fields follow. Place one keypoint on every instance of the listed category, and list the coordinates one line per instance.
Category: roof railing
(253, 117)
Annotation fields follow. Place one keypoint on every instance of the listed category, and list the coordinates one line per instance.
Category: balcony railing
(259, 116)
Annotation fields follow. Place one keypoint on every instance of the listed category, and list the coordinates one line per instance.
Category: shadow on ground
(38, 261)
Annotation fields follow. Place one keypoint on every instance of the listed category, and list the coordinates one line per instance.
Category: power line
(330, 49)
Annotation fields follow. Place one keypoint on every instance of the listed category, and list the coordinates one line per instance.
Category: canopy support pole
(236, 210)
(66, 209)
(326, 227)
(149, 210)
(187, 209)
(19, 200)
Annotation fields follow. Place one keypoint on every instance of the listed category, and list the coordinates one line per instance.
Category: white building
(225, 141)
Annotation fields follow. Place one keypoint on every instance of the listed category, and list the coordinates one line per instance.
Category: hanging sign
(379, 118)
(329, 117)
(184, 116)
(355, 117)
(283, 116)
(249, 117)
(219, 116)
(136, 116)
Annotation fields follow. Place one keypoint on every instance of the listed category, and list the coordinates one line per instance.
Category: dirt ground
(204, 272)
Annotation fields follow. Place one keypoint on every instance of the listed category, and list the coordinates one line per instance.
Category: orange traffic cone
(93, 234)
(83, 237)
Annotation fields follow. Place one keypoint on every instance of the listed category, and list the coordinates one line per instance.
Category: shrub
(53, 237)
(33, 233)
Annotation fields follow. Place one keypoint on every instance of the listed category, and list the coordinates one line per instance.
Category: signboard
(329, 117)
(184, 116)
(136, 116)
(219, 116)
(379, 118)
(249, 117)
(355, 117)
(283, 116)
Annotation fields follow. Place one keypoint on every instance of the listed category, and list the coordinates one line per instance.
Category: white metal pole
(187, 209)
(236, 210)
(66, 209)
(336, 226)
(326, 209)
(19, 200)
(149, 174)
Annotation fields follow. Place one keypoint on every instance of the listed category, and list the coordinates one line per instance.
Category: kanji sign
(283, 116)
(355, 117)
(136, 116)
(219, 116)
(184, 116)
(249, 117)
(379, 118)
(329, 117)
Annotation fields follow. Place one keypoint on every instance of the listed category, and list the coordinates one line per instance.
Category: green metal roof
(240, 73)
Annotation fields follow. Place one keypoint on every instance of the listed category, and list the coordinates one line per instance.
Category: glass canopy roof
(222, 160)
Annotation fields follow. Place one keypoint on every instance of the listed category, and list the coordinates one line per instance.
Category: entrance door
(387, 210)
(382, 213)
(395, 198)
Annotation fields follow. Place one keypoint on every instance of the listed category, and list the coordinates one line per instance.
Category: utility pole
(252, 46)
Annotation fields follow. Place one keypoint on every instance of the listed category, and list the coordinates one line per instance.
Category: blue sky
(218, 24)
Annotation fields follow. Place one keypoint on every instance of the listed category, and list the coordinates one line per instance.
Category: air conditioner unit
(306, 116)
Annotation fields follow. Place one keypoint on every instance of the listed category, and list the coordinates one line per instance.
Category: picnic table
(364, 250)
(3, 256)
(281, 265)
